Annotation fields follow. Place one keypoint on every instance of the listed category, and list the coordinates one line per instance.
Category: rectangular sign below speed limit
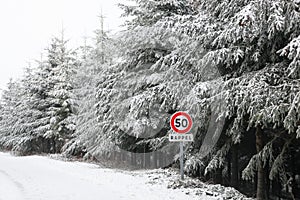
(181, 137)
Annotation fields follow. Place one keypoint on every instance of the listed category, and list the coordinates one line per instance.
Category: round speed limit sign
(181, 122)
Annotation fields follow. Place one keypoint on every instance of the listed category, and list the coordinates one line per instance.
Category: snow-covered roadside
(42, 178)
(170, 178)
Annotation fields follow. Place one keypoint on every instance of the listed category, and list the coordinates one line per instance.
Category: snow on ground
(191, 186)
(42, 178)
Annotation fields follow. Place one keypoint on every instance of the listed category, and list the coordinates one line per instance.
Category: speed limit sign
(181, 122)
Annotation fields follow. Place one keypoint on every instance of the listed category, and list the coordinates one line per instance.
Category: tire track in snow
(11, 189)
(16, 183)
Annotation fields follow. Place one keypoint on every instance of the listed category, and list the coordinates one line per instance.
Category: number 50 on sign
(181, 123)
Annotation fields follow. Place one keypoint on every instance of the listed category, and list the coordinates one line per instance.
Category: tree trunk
(155, 160)
(121, 157)
(228, 183)
(147, 161)
(261, 191)
(114, 155)
(276, 188)
(141, 160)
(293, 164)
(268, 183)
(160, 159)
(234, 167)
(133, 159)
(218, 179)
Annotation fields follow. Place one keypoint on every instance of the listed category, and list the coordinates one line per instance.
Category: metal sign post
(181, 123)
(181, 161)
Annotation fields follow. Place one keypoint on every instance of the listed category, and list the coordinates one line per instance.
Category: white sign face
(181, 122)
(181, 137)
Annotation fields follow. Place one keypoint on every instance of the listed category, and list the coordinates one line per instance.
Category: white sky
(27, 26)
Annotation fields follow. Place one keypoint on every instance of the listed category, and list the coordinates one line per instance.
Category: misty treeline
(234, 65)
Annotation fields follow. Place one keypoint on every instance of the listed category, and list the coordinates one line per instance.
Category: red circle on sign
(172, 122)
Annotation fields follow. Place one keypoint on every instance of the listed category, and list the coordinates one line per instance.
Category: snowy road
(41, 178)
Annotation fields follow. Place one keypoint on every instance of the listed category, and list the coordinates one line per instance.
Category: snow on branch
(292, 52)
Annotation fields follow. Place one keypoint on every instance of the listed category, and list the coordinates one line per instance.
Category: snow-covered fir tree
(24, 118)
(9, 102)
(38, 109)
(63, 65)
(95, 61)
(253, 36)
